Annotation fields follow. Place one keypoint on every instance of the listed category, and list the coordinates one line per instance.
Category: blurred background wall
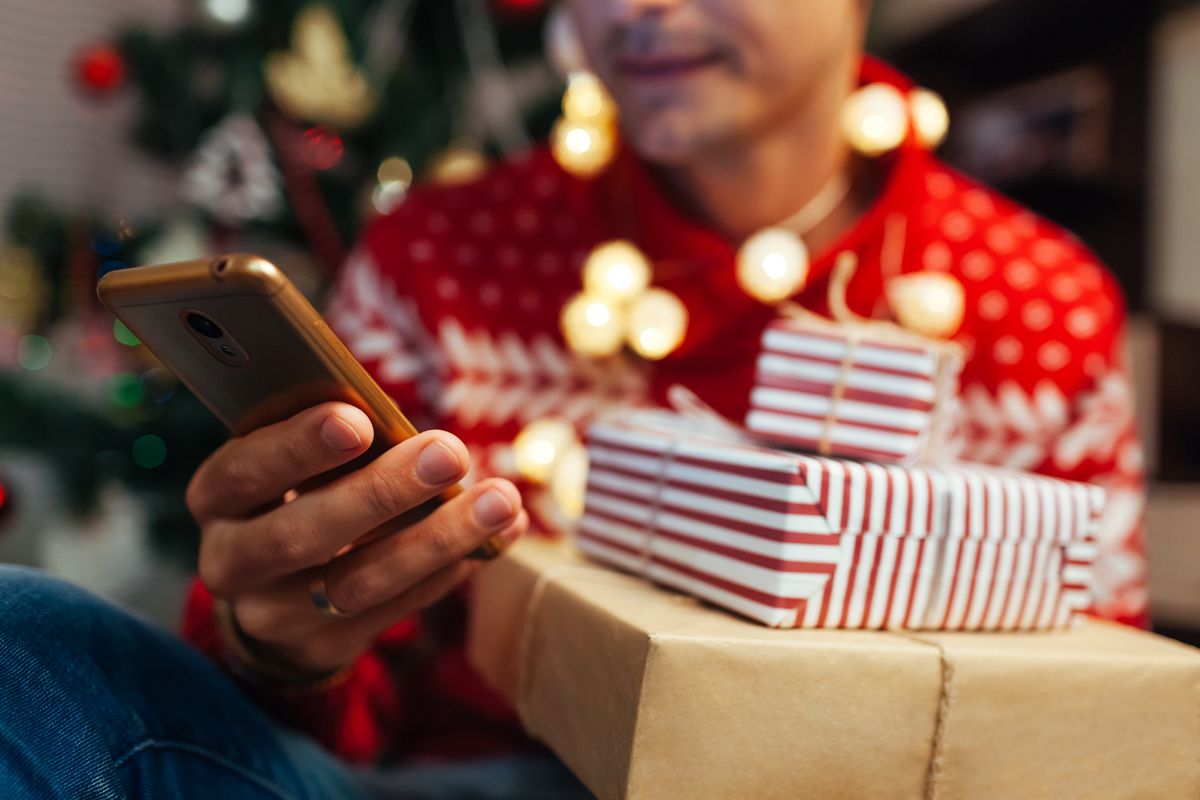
(122, 120)
(1088, 111)
(51, 140)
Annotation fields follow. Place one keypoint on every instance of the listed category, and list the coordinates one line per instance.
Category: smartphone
(246, 342)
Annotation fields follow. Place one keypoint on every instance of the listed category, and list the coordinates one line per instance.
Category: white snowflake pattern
(1020, 430)
(496, 379)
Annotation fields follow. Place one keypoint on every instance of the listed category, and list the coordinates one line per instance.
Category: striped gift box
(805, 541)
(850, 391)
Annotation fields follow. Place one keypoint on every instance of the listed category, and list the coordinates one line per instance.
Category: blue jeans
(96, 704)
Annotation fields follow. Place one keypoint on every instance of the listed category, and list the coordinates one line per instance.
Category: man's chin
(670, 142)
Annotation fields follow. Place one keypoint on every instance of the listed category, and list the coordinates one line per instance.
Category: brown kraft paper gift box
(648, 694)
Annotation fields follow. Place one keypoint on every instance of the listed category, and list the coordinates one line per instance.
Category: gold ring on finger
(319, 592)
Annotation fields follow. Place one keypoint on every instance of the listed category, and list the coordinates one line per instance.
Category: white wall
(1175, 168)
(50, 136)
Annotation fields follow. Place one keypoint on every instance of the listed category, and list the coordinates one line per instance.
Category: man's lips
(664, 66)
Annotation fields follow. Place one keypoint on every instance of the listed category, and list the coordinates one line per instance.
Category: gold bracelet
(247, 663)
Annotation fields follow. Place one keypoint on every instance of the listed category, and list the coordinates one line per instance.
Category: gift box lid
(714, 475)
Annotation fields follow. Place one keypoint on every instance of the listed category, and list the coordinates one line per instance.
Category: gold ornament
(592, 326)
(568, 482)
(458, 163)
(930, 119)
(316, 80)
(772, 265)
(657, 324)
(395, 169)
(23, 290)
(875, 119)
(540, 446)
(616, 271)
(929, 303)
(586, 100)
(582, 148)
(395, 175)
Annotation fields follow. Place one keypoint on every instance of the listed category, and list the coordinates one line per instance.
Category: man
(730, 112)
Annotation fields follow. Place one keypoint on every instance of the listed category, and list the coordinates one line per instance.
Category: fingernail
(493, 509)
(437, 464)
(338, 434)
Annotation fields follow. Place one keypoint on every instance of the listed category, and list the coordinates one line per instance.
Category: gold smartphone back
(248, 344)
(245, 341)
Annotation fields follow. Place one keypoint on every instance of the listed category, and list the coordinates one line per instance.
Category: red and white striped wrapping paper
(846, 390)
(805, 541)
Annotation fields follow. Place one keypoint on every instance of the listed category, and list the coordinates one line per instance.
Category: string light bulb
(592, 325)
(540, 446)
(658, 323)
(929, 303)
(582, 148)
(586, 100)
(568, 483)
(772, 265)
(617, 271)
(931, 120)
(875, 119)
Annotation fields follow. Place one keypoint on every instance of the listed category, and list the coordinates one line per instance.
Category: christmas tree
(290, 124)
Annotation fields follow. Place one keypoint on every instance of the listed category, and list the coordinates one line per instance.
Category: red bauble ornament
(99, 69)
(321, 148)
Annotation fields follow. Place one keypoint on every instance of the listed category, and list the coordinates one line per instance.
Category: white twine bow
(854, 328)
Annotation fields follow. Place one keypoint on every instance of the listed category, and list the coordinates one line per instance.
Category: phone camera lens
(204, 326)
(229, 351)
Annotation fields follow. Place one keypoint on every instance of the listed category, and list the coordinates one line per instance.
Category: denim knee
(60, 724)
(48, 614)
(28, 595)
(97, 703)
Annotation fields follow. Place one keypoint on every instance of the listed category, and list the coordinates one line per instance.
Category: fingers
(370, 624)
(379, 583)
(284, 620)
(236, 555)
(374, 574)
(252, 471)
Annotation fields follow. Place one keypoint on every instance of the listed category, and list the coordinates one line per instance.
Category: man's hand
(261, 554)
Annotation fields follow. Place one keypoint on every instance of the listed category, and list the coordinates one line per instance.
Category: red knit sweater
(453, 301)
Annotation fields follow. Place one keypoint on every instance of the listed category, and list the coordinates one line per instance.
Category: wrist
(250, 662)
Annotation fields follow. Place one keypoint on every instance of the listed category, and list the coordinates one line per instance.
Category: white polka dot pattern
(1021, 274)
(1037, 315)
(1082, 322)
(993, 305)
(1065, 287)
(1001, 239)
(447, 287)
(1008, 350)
(1053, 356)
(937, 257)
(978, 265)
